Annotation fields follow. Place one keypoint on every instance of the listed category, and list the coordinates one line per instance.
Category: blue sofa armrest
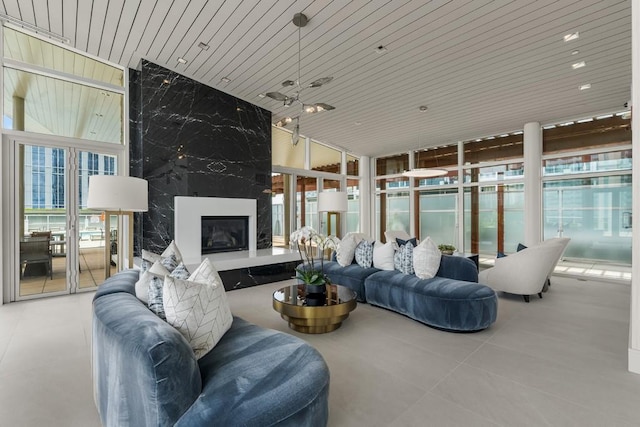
(143, 375)
(457, 268)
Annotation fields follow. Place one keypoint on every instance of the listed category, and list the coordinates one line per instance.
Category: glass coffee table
(314, 313)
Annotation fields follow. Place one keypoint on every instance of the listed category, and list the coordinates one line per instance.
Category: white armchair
(525, 272)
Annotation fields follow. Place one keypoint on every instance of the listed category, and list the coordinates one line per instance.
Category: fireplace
(224, 234)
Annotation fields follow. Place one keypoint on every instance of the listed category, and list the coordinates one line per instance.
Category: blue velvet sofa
(145, 373)
(453, 300)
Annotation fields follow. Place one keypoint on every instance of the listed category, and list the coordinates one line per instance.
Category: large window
(438, 216)
(594, 212)
(84, 100)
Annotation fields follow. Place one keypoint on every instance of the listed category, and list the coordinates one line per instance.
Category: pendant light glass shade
(424, 172)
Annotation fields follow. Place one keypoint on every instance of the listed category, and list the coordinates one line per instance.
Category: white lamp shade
(332, 201)
(118, 193)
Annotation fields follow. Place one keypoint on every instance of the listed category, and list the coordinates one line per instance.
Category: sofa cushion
(426, 259)
(440, 302)
(351, 276)
(248, 381)
(383, 255)
(364, 254)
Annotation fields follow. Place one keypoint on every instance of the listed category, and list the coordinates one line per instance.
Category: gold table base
(314, 319)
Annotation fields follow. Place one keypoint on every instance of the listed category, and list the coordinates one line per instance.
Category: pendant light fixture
(424, 172)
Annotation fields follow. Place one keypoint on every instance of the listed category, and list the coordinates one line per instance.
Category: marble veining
(198, 141)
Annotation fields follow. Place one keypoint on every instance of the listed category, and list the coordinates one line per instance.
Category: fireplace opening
(224, 234)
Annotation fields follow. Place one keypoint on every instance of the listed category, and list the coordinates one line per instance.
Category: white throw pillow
(198, 309)
(426, 259)
(347, 248)
(383, 256)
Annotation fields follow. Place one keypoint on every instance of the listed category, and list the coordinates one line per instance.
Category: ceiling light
(423, 108)
(578, 65)
(310, 109)
(203, 46)
(584, 121)
(424, 173)
(479, 139)
(182, 60)
(504, 135)
(225, 80)
(166, 81)
(622, 113)
(357, 123)
(571, 36)
(261, 95)
(566, 124)
(575, 52)
(606, 116)
(517, 133)
(380, 50)
(549, 127)
(491, 137)
(585, 87)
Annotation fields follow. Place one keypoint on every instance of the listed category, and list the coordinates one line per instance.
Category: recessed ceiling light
(585, 121)
(517, 133)
(261, 95)
(423, 108)
(549, 127)
(357, 123)
(606, 116)
(381, 50)
(571, 36)
(578, 65)
(225, 79)
(203, 46)
(504, 135)
(182, 60)
(575, 52)
(491, 137)
(585, 87)
(566, 124)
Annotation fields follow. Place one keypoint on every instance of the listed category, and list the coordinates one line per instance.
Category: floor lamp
(122, 196)
(332, 202)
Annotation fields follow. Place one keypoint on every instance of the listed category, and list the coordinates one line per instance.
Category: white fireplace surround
(189, 212)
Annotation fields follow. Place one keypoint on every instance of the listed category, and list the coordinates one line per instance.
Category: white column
(634, 326)
(413, 227)
(460, 219)
(532, 183)
(366, 196)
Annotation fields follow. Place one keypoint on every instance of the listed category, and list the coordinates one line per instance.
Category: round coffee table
(314, 313)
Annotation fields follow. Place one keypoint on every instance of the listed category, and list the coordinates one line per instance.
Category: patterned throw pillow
(198, 308)
(383, 254)
(364, 254)
(403, 259)
(158, 273)
(426, 259)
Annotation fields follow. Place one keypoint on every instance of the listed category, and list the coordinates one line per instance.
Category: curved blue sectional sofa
(453, 300)
(145, 373)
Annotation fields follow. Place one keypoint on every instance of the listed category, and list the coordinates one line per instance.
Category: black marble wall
(196, 141)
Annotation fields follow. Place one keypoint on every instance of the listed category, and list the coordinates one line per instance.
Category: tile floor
(558, 361)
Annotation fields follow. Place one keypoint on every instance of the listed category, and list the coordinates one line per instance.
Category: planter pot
(447, 252)
(316, 289)
(316, 300)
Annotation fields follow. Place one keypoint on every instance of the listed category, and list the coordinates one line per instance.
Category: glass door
(60, 245)
(42, 189)
(97, 246)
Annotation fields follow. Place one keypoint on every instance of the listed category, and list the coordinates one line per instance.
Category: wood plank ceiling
(482, 67)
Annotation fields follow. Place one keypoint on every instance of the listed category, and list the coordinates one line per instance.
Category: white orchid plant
(305, 239)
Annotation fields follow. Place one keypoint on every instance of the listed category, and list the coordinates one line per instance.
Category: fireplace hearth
(224, 234)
